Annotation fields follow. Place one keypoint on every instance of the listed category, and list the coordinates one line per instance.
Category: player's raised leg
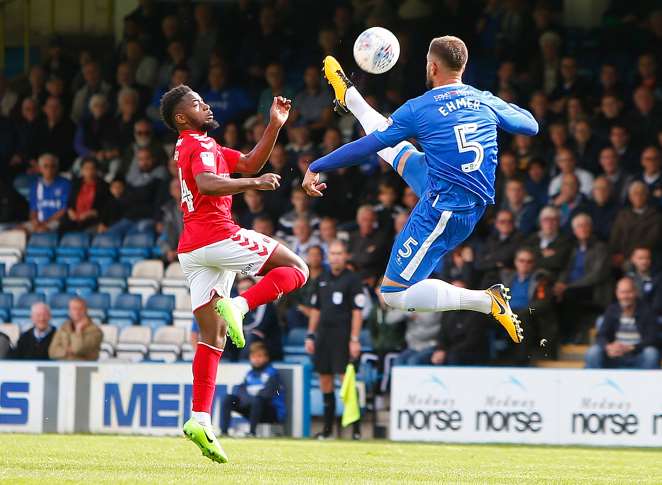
(403, 157)
(428, 235)
(282, 271)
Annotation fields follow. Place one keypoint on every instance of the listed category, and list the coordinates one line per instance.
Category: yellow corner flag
(349, 396)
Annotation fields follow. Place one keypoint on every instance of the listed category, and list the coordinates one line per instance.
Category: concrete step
(561, 364)
(572, 352)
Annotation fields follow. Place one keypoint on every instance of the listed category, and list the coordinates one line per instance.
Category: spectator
(87, 199)
(298, 302)
(275, 78)
(227, 103)
(145, 172)
(57, 133)
(521, 206)
(368, 244)
(177, 56)
(610, 114)
(35, 88)
(29, 145)
(558, 137)
(172, 223)
(265, 225)
(569, 201)
(125, 80)
(649, 284)
(300, 208)
(93, 85)
(145, 67)
(507, 171)
(387, 327)
(254, 201)
(499, 248)
(127, 106)
(602, 208)
(458, 266)
(628, 156)
(637, 225)
(587, 147)
(536, 181)
(583, 286)
(312, 103)
(652, 173)
(8, 98)
(303, 237)
(96, 136)
(462, 339)
(533, 301)
(78, 338)
(33, 344)
(142, 137)
(260, 397)
(627, 337)
(620, 181)
(551, 246)
(421, 339)
(609, 82)
(334, 327)
(48, 197)
(567, 164)
(13, 206)
(570, 84)
(645, 118)
(180, 75)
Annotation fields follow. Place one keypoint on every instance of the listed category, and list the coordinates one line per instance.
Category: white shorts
(211, 269)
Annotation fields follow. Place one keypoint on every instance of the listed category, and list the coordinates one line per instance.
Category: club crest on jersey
(208, 159)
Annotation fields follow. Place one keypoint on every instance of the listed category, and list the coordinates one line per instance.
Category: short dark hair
(451, 51)
(169, 102)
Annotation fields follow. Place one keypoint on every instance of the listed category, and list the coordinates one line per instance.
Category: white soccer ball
(376, 50)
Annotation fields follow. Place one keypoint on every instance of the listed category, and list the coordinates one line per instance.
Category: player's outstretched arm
(211, 184)
(253, 161)
(514, 119)
(345, 156)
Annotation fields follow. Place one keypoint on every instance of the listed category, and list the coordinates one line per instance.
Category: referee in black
(334, 327)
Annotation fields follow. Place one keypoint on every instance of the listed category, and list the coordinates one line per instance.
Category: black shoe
(323, 436)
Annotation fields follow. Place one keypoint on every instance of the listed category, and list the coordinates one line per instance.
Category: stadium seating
(6, 301)
(137, 247)
(113, 279)
(83, 278)
(104, 249)
(146, 278)
(50, 278)
(12, 246)
(133, 343)
(158, 311)
(97, 306)
(72, 248)
(19, 280)
(125, 310)
(167, 344)
(110, 339)
(41, 247)
(174, 283)
(294, 342)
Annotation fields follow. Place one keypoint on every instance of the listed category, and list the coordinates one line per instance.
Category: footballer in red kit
(213, 248)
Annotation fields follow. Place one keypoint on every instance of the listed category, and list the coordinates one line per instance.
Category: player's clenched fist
(268, 181)
(280, 110)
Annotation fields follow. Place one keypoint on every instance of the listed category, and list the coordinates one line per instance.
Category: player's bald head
(450, 51)
(170, 102)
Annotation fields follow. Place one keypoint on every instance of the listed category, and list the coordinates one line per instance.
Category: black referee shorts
(331, 350)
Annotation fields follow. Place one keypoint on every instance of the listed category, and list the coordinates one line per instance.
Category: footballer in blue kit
(456, 126)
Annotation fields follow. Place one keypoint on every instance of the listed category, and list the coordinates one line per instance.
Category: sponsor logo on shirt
(208, 159)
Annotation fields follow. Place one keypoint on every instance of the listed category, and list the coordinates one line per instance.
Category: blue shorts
(429, 234)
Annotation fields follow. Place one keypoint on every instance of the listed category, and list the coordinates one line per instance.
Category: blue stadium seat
(42, 244)
(158, 311)
(2, 270)
(19, 280)
(136, 247)
(105, 248)
(59, 303)
(294, 342)
(125, 310)
(113, 279)
(20, 313)
(6, 301)
(73, 247)
(83, 278)
(366, 340)
(50, 278)
(98, 305)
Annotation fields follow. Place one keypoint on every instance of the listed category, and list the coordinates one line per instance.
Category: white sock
(371, 120)
(438, 296)
(241, 303)
(202, 418)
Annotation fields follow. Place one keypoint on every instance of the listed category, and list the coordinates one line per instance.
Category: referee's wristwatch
(354, 339)
(310, 336)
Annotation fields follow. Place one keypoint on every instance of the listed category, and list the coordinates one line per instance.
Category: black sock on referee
(329, 411)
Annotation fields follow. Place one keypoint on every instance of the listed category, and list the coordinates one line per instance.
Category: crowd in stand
(579, 207)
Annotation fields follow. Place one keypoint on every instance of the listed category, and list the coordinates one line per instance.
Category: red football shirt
(207, 218)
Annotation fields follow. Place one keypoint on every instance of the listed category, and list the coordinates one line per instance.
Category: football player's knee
(395, 299)
(301, 265)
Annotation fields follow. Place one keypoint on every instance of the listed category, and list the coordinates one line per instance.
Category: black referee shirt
(335, 297)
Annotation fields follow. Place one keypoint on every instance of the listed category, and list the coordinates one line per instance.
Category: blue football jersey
(456, 125)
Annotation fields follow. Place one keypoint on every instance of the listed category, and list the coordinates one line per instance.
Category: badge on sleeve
(208, 159)
(336, 297)
(359, 300)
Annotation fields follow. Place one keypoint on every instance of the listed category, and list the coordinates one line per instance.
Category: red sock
(205, 366)
(279, 281)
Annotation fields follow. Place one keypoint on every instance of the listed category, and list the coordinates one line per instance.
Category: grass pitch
(46, 459)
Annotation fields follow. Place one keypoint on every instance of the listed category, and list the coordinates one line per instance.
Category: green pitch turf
(46, 459)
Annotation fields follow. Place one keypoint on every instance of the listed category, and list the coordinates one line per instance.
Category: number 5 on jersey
(406, 249)
(187, 196)
(463, 146)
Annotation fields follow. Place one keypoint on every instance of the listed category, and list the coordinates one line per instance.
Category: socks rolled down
(277, 282)
(205, 367)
